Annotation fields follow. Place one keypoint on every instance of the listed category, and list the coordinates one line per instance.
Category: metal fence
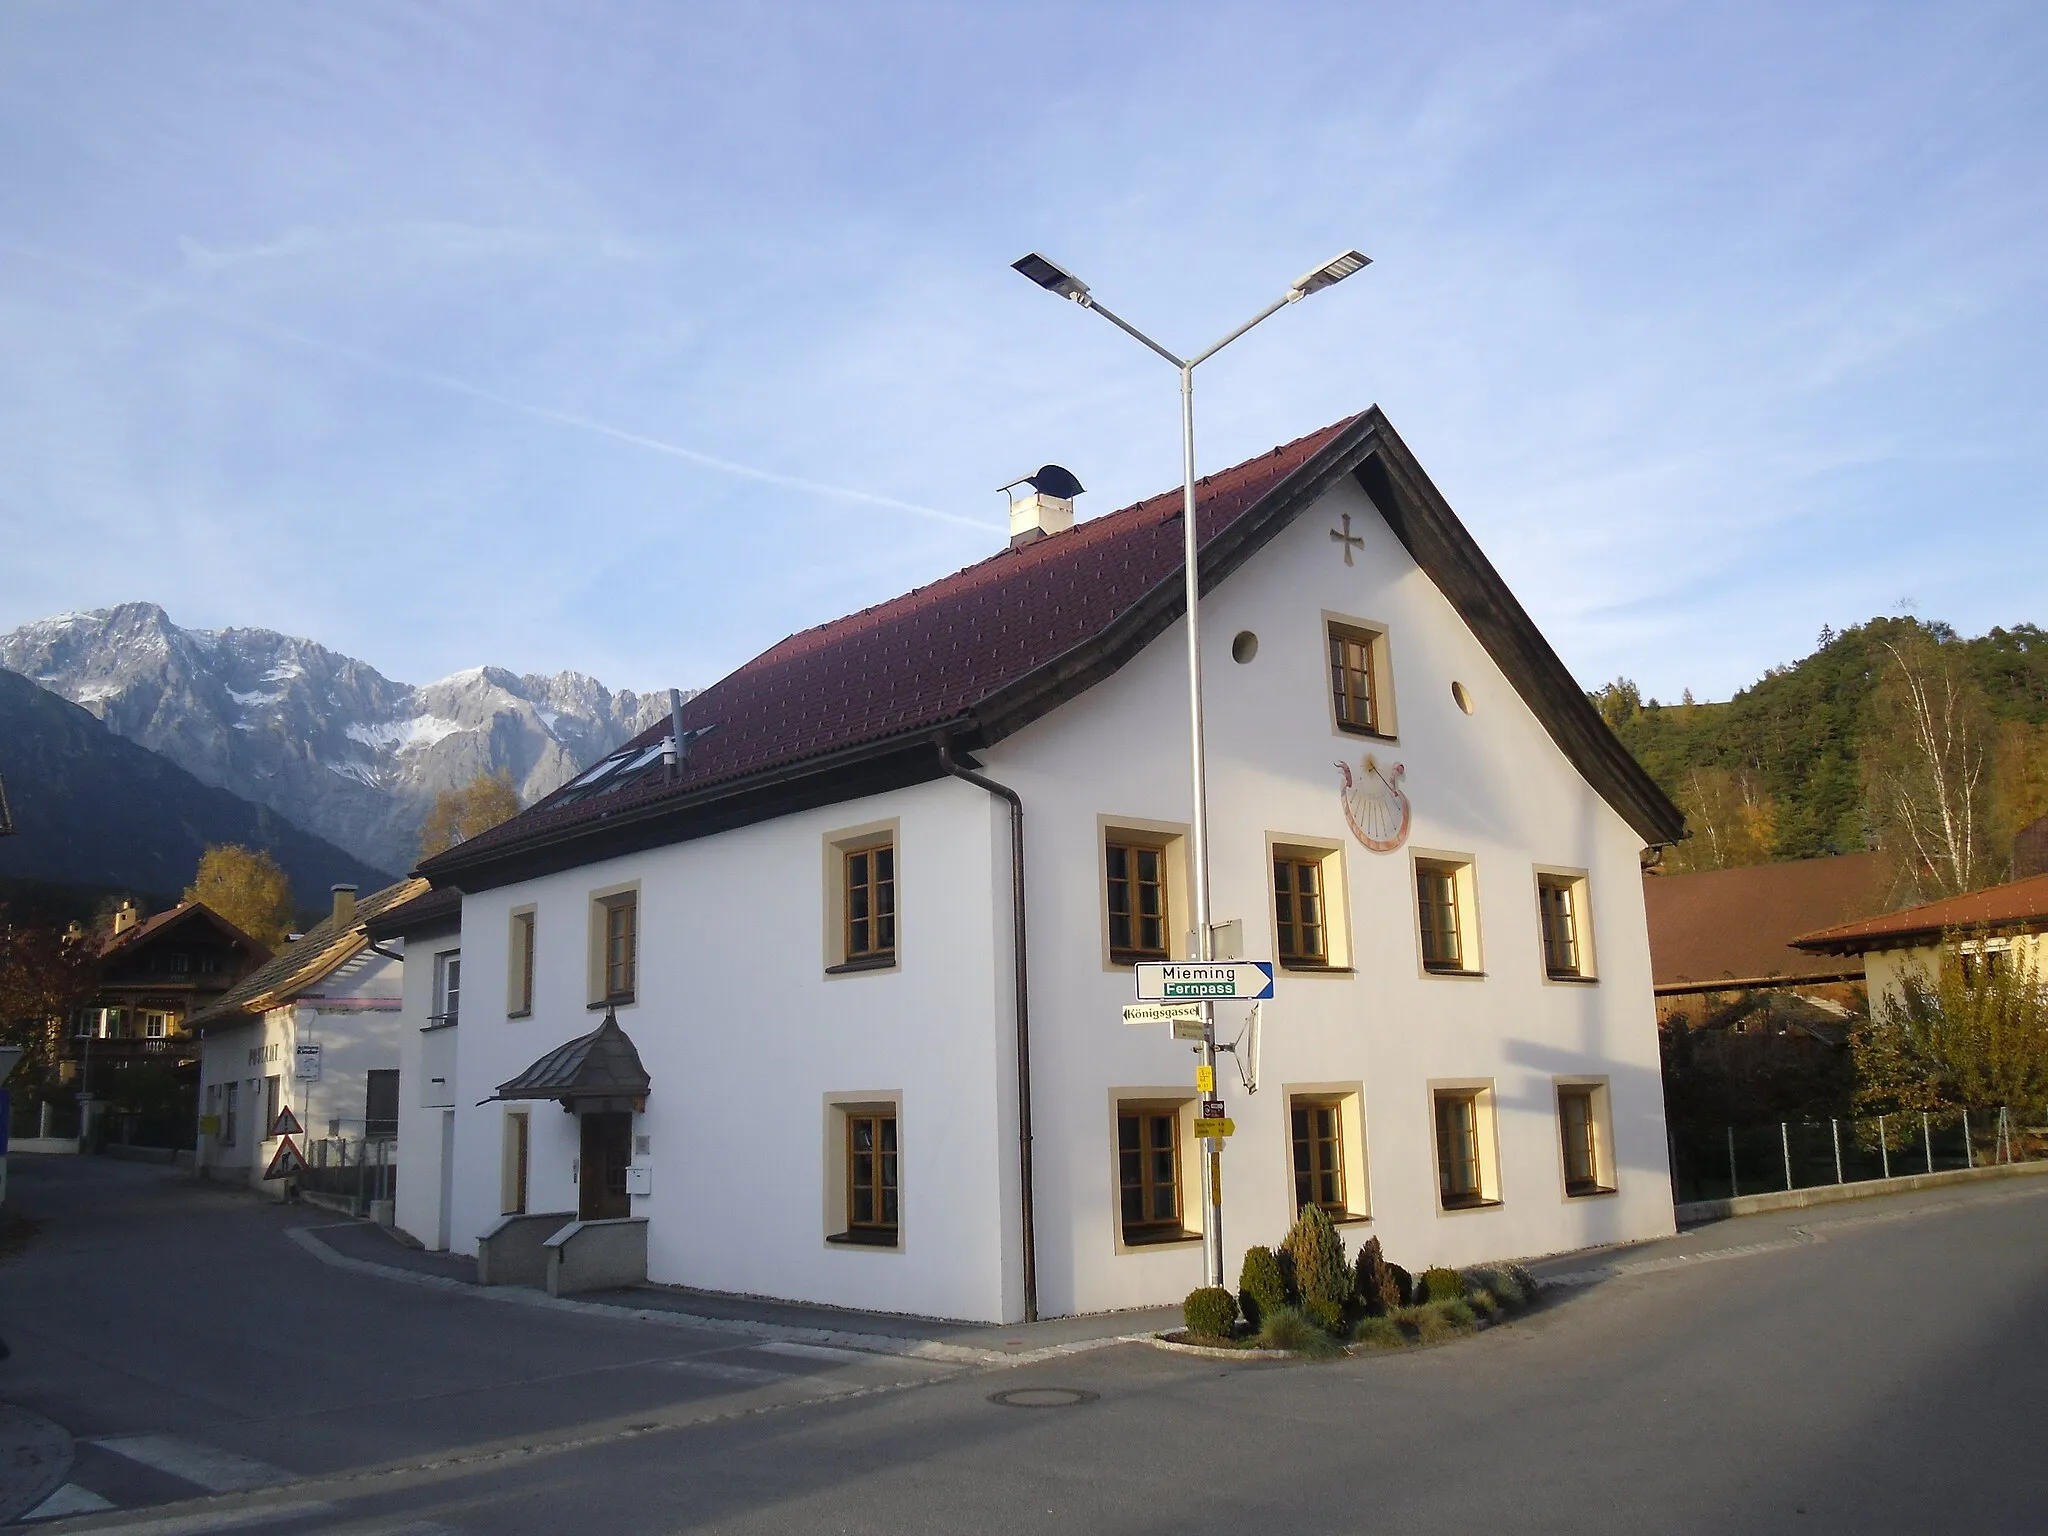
(358, 1169)
(1717, 1162)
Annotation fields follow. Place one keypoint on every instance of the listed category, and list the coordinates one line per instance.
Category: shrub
(1403, 1282)
(1482, 1301)
(1320, 1272)
(1379, 1333)
(1373, 1285)
(1261, 1287)
(1457, 1314)
(1494, 1283)
(1325, 1314)
(1210, 1312)
(1442, 1284)
(1290, 1328)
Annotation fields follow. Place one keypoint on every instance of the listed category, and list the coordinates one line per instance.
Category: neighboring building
(2001, 926)
(316, 1029)
(155, 975)
(778, 988)
(2030, 849)
(428, 929)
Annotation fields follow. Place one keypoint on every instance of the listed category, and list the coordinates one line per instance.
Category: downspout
(1022, 986)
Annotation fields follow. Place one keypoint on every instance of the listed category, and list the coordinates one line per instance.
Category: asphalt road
(1872, 1367)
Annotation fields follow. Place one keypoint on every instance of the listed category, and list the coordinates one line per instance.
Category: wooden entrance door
(607, 1149)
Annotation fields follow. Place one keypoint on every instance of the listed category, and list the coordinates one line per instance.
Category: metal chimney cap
(1049, 480)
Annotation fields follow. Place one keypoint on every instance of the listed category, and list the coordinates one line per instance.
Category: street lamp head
(1051, 277)
(1335, 270)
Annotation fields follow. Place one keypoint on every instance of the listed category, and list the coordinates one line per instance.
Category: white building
(807, 928)
(315, 1030)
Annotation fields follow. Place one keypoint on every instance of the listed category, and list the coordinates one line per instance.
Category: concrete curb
(1210, 1352)
(932, 1350)
(1700, 1212)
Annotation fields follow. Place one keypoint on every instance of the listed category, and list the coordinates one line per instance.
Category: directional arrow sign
(285, 1161)
(1177, 981)
(1211, 1129)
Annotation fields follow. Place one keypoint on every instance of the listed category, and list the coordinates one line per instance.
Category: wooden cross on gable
(1348, 539)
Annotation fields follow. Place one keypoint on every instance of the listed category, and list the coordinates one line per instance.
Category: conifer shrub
(1322, 1277)
(1261, 1287)
(1374, 1290)
(1440, 1283)
(1210, 1312)
(1292, 1329)
(1403, 1282)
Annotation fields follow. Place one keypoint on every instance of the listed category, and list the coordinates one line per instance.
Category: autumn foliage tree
(1927, 767)
(460, 814)
(245, 886)
(47, 973)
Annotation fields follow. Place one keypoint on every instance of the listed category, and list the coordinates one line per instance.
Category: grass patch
(1210, 1340)
(1291, 1329)
(1379, 1333)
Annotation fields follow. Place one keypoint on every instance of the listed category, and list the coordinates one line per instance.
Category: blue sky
(631, 338)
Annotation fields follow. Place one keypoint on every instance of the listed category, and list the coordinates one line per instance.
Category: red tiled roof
(923, 659)
(1726, 928)
(425, 910)
(170, 915)
(2021, 904)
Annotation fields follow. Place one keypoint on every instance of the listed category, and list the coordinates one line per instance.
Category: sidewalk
(35, 1458)
(364, 1245)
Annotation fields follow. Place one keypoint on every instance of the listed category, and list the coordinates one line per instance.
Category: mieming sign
(1167, 981)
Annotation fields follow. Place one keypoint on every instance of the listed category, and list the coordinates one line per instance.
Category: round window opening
(1463, 698)
(1244, 647)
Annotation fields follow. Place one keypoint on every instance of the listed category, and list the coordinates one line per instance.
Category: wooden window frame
(873, 890)
(1131, 850)
(1327, 860)
(844, 1114)
(1457, 874)
(841, 849)
(515, 1162)
(447, 965)
(1480, 1132)
(604, 904)
(1147, 1115)
(1594, 1137)
(1324, 1149)
(1347, 641)
(884, 1182)
(1572, 886)
(524, 930)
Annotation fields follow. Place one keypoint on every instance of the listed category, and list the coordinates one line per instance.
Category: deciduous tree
(245, 886)
(1966, 1037)
(1926, 767)
(1731, 819)
(47, 973)
(460, 814)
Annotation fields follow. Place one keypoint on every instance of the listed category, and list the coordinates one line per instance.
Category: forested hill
(1815, 757)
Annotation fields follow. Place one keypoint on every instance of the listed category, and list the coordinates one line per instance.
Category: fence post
(1927, 1139)
(1969, 1157)
(1733, 1191)
(1884, 1150)
(1785, 1146)
(1835, 1130)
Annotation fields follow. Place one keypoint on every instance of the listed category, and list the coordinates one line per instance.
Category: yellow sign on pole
(1205, 1079)
(1207, 1128)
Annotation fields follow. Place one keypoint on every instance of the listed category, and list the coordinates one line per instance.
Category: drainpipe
(1023, 990)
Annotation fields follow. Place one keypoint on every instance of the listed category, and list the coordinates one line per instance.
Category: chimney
(126, 917)
(1047, 509)
(344, 905)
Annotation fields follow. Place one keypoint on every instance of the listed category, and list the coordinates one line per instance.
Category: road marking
(215, 1470)
(207, 1521)
(69, 1500)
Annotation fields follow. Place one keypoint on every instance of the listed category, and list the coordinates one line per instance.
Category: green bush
(1442, 1284)
(1210, 1312)
(1510, 1284)
(1373, 1286)
(1458, 1314)
(1261, 1287)
(1290, 1328)
(1325, 1314)
(1379, 1333)
(1482, 1301)
(1403, 1282)
(1321, 1274)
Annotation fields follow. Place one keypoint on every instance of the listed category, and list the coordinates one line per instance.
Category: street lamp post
(1055, 279)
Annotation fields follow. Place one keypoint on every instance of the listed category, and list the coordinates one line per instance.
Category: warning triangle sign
(285, 1161)
(287, 1124)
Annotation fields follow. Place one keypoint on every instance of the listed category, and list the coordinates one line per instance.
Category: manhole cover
(1042, 1397)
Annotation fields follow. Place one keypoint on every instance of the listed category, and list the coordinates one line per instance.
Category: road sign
(1188, 1029)
(306, 1063)
(1205, 1079)
(1215, 1128)
(287, 1124)
(285, 1161)
(1174, 981)
(1163, 1013)
(1212, 1109)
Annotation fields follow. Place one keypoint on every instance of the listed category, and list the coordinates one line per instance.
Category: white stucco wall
(353, 1015)
(424, 1054)
(744, 1036)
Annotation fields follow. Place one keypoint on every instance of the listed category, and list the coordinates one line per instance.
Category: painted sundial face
(1374, 804)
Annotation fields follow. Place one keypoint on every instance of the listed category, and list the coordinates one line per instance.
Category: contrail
(236, 320)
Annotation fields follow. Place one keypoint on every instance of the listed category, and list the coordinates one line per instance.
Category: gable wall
(1491, 785)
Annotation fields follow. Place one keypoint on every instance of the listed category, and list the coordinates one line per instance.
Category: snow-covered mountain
(321, 738)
